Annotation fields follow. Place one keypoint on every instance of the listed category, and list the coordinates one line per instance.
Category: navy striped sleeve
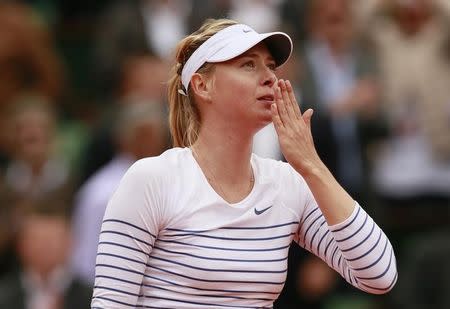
(126, 241)
(356, 248)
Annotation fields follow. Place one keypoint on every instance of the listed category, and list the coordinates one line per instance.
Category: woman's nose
(270, 78)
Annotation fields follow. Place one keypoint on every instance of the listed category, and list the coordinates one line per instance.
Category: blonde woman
(208, 224)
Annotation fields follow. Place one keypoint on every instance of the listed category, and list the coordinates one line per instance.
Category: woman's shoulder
(166, 164)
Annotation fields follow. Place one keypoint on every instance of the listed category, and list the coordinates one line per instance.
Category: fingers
(292, 107)
(280, 106)
(286, 99)
(291, 94)
(286, 112)
(307, 117)
(278, 124)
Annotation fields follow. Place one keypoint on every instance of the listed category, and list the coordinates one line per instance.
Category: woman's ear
(201, 86)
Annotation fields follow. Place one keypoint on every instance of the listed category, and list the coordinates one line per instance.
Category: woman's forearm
(335, 203)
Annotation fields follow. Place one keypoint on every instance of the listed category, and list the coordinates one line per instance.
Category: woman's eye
(249, 64)
(272, 66)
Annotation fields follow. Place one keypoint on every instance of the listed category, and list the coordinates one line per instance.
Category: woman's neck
(225, 161)
(227, 155)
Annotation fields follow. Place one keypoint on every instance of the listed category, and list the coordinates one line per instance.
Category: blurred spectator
(28, 63)
(143, 78)
(261, 15)
(411, 167)
(338, 81)
(140, 132)
(137, 27)
(36, 169)
(412, 43)
(43, 279)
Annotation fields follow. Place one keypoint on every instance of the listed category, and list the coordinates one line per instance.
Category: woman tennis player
(208, 224)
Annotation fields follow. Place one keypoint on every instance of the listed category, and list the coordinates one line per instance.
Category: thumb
(307, 117)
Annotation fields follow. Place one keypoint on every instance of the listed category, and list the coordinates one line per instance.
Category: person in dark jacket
(42, 279)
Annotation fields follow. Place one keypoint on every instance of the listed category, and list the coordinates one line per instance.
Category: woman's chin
(264, 121)
(266, 115)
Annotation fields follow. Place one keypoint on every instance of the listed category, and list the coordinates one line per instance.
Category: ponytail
(184, 115)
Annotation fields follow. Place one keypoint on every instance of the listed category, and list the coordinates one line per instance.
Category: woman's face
(243, 88)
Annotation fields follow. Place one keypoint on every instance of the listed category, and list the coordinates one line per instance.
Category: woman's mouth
(267, 98)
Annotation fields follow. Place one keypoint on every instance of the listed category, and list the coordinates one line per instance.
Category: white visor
(231, 42)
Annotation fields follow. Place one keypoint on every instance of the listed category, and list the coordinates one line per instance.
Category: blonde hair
(184, 116)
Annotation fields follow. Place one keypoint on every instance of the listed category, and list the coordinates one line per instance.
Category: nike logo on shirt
(258, 212)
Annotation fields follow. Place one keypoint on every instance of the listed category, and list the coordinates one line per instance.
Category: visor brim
(278, 43)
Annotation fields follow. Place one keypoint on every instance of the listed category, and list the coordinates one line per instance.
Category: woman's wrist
(312, 169)
(336, 204)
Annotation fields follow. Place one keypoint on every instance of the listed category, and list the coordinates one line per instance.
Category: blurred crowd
(83, 96)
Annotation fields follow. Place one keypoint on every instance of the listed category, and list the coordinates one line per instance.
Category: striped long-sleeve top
(168, 240)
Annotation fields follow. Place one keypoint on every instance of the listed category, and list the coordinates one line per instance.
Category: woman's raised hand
(294, 130)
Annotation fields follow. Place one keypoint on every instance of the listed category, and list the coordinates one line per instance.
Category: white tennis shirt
(168, 240)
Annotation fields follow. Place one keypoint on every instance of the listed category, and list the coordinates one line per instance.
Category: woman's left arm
(350, 241)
